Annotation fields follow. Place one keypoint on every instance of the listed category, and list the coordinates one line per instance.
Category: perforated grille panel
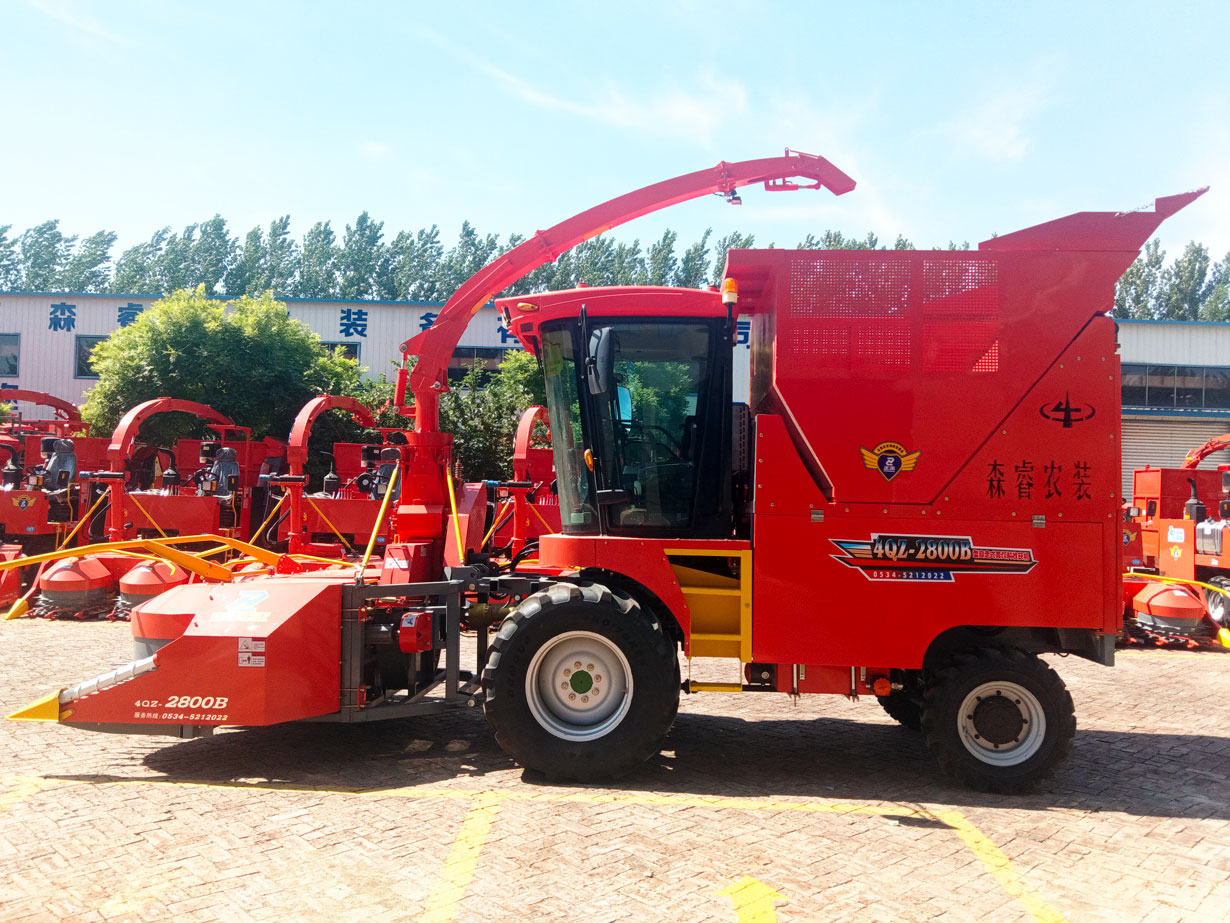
(877, 313)
(960, 315)
(847, 288)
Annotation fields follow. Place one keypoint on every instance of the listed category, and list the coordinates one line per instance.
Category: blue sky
(957, 120)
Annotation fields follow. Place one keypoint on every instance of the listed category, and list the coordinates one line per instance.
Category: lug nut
(584, 698)
(567, 672)
(571, 696)
(563, 685)
(577, 664)
(598, 678)
(590, 667)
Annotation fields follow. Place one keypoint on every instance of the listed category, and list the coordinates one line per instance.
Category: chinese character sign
(125, 314)
(63, 316)
(353, 322)
(743, 331)
(427, 318)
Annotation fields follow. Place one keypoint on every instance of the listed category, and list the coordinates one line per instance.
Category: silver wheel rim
(579, 686)
(1217, 607)
(990, 714)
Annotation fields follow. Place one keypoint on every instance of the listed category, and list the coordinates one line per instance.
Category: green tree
(317, 276)
(1138, 290)
(1217, 306)
(1185, 284)
(212, 254)
(10, 261)
(628, 264)
(732, 241)
(483, 412)
(88, 269)
(281, 262)
(692, 271)
(136, 271)
(414, 264)
(470, 254)
(44, 253)
(248, 359)
(361, 259)
(247, 273)
(662, 262)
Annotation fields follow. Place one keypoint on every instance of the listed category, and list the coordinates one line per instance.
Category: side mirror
(600, 361)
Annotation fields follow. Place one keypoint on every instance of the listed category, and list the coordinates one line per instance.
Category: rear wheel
(581, 683)
(999, 720)
(1219, 605)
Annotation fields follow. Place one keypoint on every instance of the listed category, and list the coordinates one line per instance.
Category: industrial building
(1176, 387)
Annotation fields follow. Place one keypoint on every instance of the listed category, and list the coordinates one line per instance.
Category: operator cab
(638, 386)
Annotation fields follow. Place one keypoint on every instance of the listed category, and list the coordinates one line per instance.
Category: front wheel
(581, 684)
(999, 720)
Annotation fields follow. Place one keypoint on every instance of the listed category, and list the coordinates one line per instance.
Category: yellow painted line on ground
(463, 857)
(1000, 866)
(752, 900)
(462, 860)
(25, 787)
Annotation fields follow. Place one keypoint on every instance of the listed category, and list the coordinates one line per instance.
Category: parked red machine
(528, 507)
(38, 482)
(1176, 585)
(343, 513)
(126, 503)
(864, 529)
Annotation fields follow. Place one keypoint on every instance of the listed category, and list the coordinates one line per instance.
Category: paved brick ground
(825, 803)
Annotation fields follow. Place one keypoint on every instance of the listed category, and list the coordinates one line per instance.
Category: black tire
(998, 720)
(541, 720)
(905, 705)
(1219, 605)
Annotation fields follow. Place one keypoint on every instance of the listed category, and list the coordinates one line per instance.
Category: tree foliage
(483, 412)
(248, 359)
(418, 266)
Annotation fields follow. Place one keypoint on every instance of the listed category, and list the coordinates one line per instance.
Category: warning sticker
(251, 652)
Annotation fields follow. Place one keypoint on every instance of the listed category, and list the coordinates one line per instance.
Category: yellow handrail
(261, 528)
(452, 502)
(371, 542)
(133, 498)
(80, 522)
(495, 524)
(328, 523)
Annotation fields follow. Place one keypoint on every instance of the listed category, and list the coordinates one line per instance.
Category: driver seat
(61, 467)
(224, 473)
(389, 459)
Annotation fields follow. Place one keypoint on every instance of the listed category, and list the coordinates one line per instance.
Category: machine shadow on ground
(1163, 775)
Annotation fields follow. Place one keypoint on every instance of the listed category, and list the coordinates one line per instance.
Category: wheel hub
(1002, 724)
(998, 720)
(579, 685)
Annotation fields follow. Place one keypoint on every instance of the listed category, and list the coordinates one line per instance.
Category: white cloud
(694, 114)
(64, 12)
(373, 149)
(996, 127)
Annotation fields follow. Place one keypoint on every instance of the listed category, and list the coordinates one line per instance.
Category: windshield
(577, 513)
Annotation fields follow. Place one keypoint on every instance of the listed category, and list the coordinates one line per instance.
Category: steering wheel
(646, 445)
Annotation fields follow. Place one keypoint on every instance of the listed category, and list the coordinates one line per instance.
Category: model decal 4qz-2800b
(929, 558)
